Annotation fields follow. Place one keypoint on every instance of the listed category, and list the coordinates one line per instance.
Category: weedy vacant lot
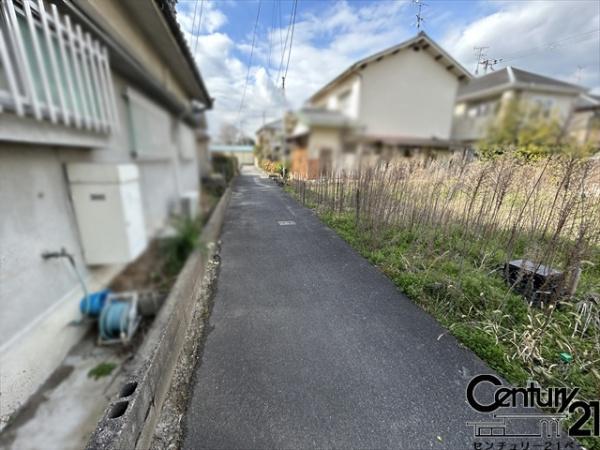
(443, 231)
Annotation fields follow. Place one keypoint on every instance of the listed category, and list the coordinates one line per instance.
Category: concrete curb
(129, 420)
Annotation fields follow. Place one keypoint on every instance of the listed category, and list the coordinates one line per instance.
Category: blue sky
(554, 38)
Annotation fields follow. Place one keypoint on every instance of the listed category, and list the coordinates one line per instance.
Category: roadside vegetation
(103, 369)
(443, 232)
(187, 231)
(225, 165)
(275, 167)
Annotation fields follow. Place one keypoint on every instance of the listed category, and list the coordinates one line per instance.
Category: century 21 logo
(561, 399)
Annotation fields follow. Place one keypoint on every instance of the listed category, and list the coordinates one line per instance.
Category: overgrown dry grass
(443, 232)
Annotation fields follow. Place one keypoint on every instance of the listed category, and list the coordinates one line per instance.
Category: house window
(52, 70)
(349, 148)
(460, 109)
(482, 109)
(343, 101)
(150, 126)
(544, 106)
(187, 142)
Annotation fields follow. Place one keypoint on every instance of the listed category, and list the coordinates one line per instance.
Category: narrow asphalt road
(312, 347)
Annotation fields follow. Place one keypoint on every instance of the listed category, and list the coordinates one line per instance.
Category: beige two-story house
(482, 101)
(270, 140)
(584, 125)
(396, 102)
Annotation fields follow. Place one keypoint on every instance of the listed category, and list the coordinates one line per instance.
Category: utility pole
(480, 55)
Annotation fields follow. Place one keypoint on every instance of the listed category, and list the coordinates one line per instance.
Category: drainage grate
(286, 222)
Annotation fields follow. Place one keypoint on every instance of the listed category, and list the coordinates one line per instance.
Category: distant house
(395, 102)
(243, 153)
(584, 125)
(270, 140)
(101, 111)
(483, 100)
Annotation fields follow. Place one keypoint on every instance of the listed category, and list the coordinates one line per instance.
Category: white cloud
(520, 34)
(203, 16)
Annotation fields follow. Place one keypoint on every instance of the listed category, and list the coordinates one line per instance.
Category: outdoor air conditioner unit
(190, 204)
(108, 208)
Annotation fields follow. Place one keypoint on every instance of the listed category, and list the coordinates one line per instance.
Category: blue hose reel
(119, 318)
(92, 304)
(117, 314)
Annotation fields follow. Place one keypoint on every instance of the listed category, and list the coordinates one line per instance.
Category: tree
(228, 134)
(524, 130)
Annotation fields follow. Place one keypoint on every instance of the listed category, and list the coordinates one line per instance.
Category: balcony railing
(52, 70)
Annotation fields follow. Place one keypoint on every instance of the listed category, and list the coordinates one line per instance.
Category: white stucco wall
(330, 99)
(407, 94)
(322, 138)
(36, 216)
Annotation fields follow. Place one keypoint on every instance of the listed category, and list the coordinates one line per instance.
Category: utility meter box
(108, 208)
(190, 204)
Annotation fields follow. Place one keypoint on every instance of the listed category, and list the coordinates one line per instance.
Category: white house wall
(322, 138)
(37, 216)
(407, 94)
(330, 100)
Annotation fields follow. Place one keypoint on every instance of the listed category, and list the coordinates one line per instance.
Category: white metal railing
(52, 70)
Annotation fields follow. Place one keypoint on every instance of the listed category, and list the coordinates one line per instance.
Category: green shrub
(225, 165)
(178, 248)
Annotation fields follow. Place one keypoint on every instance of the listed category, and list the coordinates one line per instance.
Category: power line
(271, 31)
(194, 19)
(199, 25)
(287, 66)
(280, 24)
(550, 45)
(249, 61)
(283, 50)
(489, 63)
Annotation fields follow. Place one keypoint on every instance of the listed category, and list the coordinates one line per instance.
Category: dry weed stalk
(546, 211)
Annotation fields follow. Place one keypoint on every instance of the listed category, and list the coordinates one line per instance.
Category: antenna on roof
(480, 57)
(489, 63)
(420, 19)
(578, 73)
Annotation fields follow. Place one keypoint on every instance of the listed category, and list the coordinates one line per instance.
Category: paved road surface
(313, 347)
